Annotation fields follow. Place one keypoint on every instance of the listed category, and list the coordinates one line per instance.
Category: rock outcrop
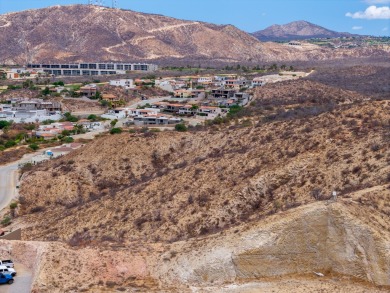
(317, 238)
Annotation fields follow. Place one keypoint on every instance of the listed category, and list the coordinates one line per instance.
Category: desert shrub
(10, 143)
(6, 221)
(26, 167)
(203, 199)
(116, 130)
(37, 209)
(375, 147)
(33, 146)
(356, 169)
(316, 193)
(139, 222)
(180, 127)
(110, 284)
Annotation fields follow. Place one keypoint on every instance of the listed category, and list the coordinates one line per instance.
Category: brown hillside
(171, 186)
(91, 33)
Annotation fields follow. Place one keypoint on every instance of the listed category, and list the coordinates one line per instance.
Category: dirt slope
(280, 253)
(171, 186)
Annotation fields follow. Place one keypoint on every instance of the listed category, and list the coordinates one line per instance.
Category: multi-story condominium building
(77, 69)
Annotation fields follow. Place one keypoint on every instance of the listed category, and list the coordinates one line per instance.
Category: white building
(120, 113)
(205, 79)
(125, 83)
(30, 116)
(258, 81)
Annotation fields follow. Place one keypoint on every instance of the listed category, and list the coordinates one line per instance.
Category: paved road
(8, 179)
(22, 283)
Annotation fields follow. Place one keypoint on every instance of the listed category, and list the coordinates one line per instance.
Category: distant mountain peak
(300, 29)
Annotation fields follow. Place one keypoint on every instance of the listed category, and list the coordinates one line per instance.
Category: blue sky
(356, 16)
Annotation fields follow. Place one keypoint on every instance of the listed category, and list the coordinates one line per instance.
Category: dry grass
(171, 186)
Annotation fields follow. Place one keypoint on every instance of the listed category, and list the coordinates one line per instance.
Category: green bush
(58, 83)
(70, 118)
(65, 132)
(13, 205)
(92, 117)
(10, 143)
(6, 221)
(47, 122)
(180, 127)
(116, 130)
(113, 122)
(4, 124)
(33, 146)
(68, 139)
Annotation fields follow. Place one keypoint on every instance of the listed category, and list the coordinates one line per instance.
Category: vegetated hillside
(297, 30)
(371, 80)
(92, 33)
(171, 186)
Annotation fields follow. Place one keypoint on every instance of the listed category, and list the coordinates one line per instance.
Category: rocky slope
(291, 152)
(91, 33)
(297, 30)
(279, 254)
(240, 206)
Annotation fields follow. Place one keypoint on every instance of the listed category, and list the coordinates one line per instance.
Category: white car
(5, 270)
(8, 263)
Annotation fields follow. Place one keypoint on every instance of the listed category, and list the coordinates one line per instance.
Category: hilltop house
(114, 100)
(88, 90)
(206, 112)
(222, 93)
(125, 83)
(258, 81)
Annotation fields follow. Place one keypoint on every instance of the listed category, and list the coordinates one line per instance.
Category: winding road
(8, 181)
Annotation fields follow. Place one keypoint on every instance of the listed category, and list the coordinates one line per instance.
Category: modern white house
(30, 116)
(125, 83)
(120, 113)
(205, 79)
(258, 81)
(157, 119)
(207, 113)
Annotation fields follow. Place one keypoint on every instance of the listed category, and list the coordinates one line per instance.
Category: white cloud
(357, 27)
(372, 2)
(385, 29)
(372, 12)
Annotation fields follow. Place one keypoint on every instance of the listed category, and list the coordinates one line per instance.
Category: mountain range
(83, 33)
(297, 30)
